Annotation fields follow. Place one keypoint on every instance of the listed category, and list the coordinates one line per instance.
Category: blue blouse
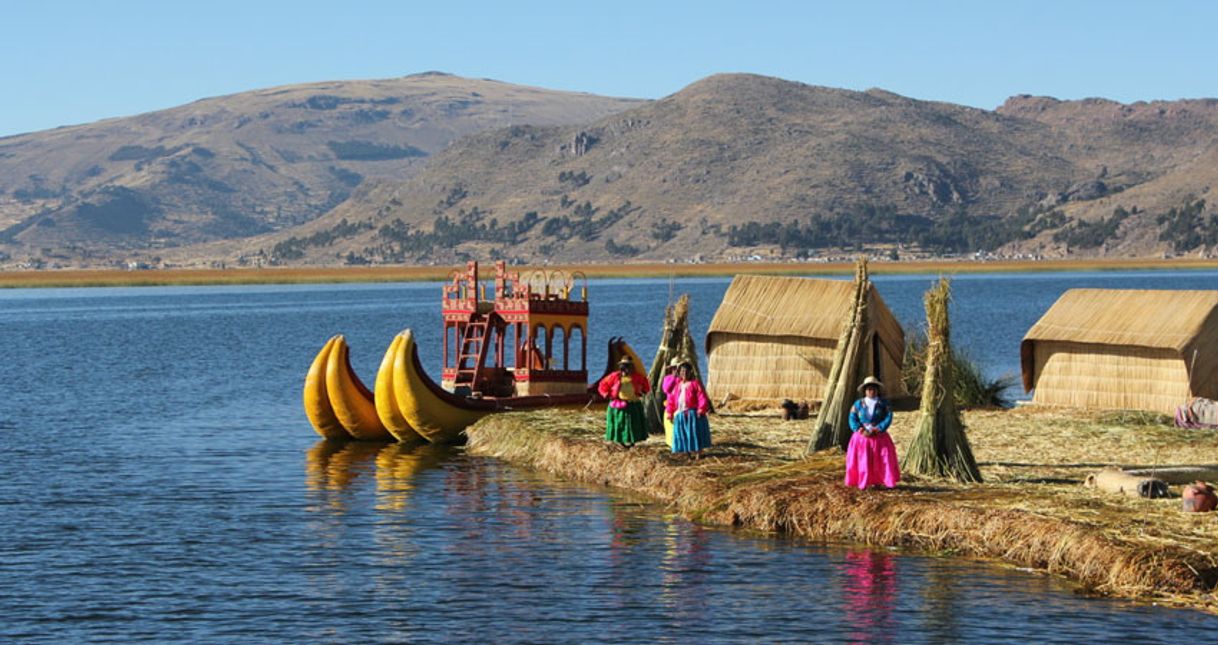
(881, 418)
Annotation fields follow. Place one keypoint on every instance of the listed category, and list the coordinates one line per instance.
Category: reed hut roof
(1185, 322)
(804, 307)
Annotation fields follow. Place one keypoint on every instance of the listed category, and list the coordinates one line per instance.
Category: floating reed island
(1031, 511)
(1011, 490)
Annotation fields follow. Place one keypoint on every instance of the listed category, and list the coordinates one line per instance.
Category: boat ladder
(472, 355)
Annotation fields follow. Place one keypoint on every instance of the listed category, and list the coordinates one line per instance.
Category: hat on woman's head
(625, 360)
(676, 361)
(871, 380)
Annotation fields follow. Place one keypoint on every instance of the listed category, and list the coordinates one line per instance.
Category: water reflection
(337, 465)
(942, 604)
(471, 547)
(870, 596)
(397, 465)
(685, 568)
(478, 490)
(465, 497)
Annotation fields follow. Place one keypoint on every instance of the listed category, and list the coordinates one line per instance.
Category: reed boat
(482, 373)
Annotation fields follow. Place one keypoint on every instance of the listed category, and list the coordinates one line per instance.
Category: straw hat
(871, 380)
(625, 360)
(676, 361)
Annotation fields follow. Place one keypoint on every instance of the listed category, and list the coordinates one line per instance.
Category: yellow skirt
(668, 431)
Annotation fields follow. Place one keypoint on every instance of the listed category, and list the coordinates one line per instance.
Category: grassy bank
(1032, 511)
(305, 275)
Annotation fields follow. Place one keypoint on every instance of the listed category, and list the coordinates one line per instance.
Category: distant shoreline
(50, 278)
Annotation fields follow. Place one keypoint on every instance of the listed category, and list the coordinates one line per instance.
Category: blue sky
(66, 62)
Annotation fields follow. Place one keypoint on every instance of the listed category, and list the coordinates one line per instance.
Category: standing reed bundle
(675, 342)
(832, 421)
(939, 446)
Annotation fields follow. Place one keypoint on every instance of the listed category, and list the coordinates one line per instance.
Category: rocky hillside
(731, 166)
(1153, 166)
(235, 166)
(737, 164)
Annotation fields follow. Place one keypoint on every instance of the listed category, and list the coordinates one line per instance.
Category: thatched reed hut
(774, 338)
(1121, 349)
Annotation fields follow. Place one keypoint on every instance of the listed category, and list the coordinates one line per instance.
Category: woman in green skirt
(624, 420)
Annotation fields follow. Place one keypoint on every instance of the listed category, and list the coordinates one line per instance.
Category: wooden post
(517, 345)
(549, 347)
(471, 284)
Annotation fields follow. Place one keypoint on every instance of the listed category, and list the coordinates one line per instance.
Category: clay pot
(1199, 497)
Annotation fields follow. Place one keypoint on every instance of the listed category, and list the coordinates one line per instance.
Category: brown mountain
(249, 163)
(740, 164)
(737, 163)
(1155, 161)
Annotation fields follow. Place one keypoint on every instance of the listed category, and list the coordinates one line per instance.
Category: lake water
(159, 482)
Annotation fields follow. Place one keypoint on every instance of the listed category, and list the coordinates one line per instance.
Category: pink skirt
(872, 460)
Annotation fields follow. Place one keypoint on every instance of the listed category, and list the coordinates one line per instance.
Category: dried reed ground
(1032, 510)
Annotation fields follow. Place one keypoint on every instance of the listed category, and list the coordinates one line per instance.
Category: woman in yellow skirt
(666, 386)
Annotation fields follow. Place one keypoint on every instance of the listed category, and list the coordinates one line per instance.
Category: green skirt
(626, 425)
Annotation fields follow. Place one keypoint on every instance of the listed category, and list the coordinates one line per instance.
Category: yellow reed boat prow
(389, 378)
(317, 399)
(435, 413)
(336, 402)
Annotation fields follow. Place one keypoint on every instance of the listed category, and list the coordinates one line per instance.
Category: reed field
(165, 277)
(1032, 511)
(304, 275)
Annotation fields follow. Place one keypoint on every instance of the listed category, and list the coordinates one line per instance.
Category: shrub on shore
(972, 388)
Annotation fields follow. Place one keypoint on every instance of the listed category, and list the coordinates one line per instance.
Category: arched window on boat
(520, 344)
(577, 330)
(511, 342)
(536, 348)
(560, 338)
(548, 348)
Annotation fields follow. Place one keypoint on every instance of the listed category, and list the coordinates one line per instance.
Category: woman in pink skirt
(871, 457)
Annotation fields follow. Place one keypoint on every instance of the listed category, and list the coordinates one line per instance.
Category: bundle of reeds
(939, 446)
(832, 421)
(675, 342)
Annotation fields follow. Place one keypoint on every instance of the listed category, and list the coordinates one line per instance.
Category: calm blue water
(159, 482)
